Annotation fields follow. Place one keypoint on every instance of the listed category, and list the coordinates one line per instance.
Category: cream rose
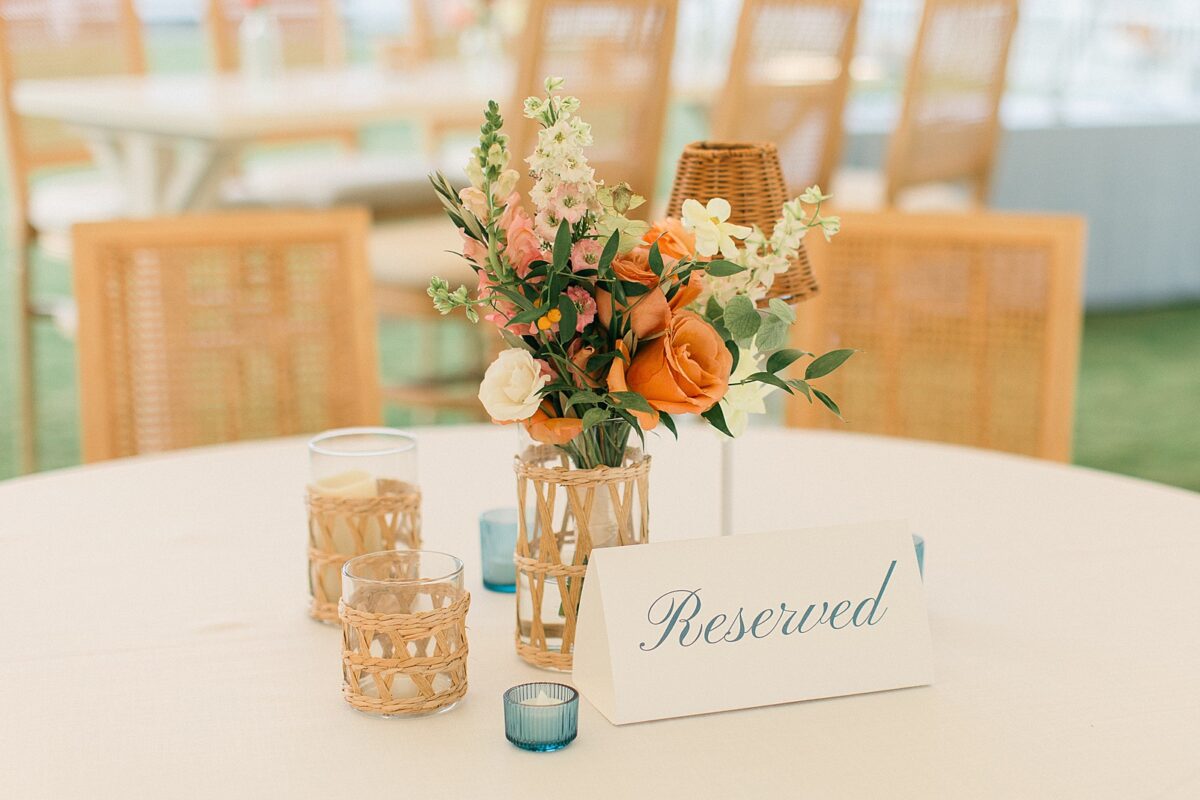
(512, 385)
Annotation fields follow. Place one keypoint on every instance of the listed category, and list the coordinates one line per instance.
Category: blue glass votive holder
(541, 716)
(497, 542)
(919, 544)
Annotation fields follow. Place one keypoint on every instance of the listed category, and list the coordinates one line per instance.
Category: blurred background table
(157, 642)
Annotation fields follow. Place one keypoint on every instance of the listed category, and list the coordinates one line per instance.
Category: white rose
(511, 386)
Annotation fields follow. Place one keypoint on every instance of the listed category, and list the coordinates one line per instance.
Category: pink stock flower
(585, 306)
(567, 202)
(586, 254)
(546, 224)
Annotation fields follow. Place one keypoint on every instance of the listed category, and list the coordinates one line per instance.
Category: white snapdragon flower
(742, 401)
(711, 226)
(512, 386)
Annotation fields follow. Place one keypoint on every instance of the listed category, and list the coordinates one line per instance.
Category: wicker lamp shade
(749, 176)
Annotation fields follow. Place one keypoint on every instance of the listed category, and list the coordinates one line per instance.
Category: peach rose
(685, 371)
(548, 429)
(617, 383)
(674, 241)
(649, 313)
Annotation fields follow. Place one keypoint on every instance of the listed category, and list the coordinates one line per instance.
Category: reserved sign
(672, 629)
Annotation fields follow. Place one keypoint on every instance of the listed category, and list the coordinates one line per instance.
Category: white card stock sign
(672, 629)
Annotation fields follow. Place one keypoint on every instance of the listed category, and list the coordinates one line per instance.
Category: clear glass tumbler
(404, 636)
(363, 497)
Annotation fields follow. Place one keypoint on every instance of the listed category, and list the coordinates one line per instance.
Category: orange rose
(617, 383)
(674, 241)
(685, 371)
(548, 429)
(649, 313)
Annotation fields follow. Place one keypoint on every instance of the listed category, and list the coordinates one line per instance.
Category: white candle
(352, 483)
(542, 699)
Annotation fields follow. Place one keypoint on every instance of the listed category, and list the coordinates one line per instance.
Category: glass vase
(592, 492)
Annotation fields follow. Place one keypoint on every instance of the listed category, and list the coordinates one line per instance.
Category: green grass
(1138, 410)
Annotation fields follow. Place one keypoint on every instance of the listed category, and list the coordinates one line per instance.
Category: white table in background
(169, 138)
(155, 642)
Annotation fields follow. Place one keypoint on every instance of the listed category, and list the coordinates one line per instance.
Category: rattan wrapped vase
(563, 513)
(749, 176)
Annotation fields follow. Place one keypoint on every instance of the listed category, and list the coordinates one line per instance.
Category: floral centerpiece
(615, 326)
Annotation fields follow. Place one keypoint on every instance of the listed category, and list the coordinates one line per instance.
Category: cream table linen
(155, 641)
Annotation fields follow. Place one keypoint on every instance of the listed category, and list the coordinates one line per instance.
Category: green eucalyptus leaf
(723, 269)
(803, 387)
(632, 401)
(562, 246)
(582, 397)
(772, 335)
(668, 423)
(822, 366)
(742, 318)
(828, 401)
(512, 340)
(716, 418)
(609, 252)
(713, 309)
(594, 416)
(656, 261)
(773, 380)
(566, 325)
(782, 310)
(634, 289)
(734, 351)
(601, 360)
(782, 359)
(526, 317)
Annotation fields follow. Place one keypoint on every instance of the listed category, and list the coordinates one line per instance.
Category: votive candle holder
(362, 497)
(541, 716)
(497, 544)
(404, 632)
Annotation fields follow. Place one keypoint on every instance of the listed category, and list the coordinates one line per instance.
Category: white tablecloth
(155, 642)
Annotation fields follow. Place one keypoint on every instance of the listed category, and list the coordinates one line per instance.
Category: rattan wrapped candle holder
(749, 176)
(404, 633)
(563, 513)
(340, 528)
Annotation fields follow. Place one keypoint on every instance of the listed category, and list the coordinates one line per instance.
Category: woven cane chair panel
(966, 336)
(615, 56)
(788, 80)
(957, 77)
(46, 39)
(194, 343)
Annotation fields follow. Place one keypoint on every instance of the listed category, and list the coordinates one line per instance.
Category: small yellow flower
(554, 315)
(544, 323)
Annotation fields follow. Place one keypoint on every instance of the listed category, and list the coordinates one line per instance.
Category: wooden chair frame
(733, 107)
(96, 244)
(640, 169)
(899, 175)
(1060, 237)
(23, 162)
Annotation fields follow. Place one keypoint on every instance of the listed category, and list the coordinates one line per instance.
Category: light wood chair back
(787, 84)
(313, 35)
(213, 328)
(968, 327)
(950, 120)
(47, 39)
(616, 58)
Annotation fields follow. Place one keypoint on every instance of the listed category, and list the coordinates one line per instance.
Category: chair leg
(27, 438)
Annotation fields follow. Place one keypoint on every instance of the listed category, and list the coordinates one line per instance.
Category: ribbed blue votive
(497, 541)
(919, 544)
(541, 716)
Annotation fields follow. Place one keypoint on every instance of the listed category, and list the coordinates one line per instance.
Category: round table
(157, 644)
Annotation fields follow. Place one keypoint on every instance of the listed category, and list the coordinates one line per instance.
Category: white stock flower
(713, 232)
(511, 387)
